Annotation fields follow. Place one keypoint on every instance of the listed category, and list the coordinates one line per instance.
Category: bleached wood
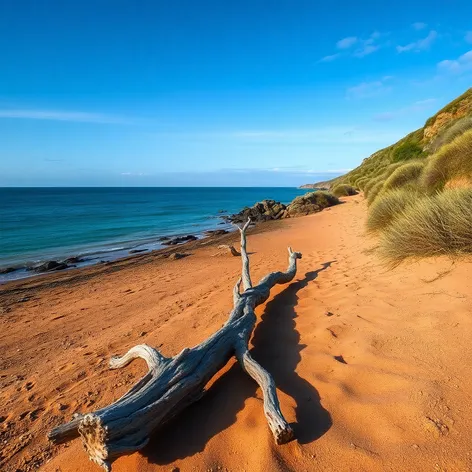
(171, 384)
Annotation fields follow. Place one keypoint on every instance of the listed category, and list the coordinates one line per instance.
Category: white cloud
(367, 90)
(457, 66)
(346, 43)
(56, 115)
(330, 58)
(421, 44)
(368, 46)
(468, 37)
(366, 50)
(419, 25)
(363, 47)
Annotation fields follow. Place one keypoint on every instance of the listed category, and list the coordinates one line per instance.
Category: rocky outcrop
(49, 266)
(311, 202)
(179, 240)
(216, 232)
(266, 210)
(261, 211)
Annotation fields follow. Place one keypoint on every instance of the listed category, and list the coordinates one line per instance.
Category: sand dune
(372, 364)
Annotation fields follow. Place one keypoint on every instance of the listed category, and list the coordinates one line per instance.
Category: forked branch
(171, 384)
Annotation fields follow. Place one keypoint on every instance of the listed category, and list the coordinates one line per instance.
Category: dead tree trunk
(171, 384)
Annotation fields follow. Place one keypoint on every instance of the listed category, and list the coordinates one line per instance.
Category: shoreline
(83, 254)
(367, 378)
(85, 259)
(130, 261)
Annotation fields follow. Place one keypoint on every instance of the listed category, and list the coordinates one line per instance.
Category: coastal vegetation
(419, 190)
(344, 190)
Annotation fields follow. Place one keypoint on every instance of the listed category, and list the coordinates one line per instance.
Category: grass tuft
(457, 129)
(405, 174)
(387, 207)
(435, 225)
(450, 162)
(343, 190)
(374, 191)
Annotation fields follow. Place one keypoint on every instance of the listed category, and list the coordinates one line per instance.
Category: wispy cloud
(355, 47)
(346, 43)
(57, 115)
(417, 106)
(457, 66)
(421, 44)
(366, 50)
(369, 89)
(330, 58)
(468, 37)
(418, 26)
(368, 46)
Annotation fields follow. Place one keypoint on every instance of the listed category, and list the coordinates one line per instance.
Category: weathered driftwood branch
(171, 384)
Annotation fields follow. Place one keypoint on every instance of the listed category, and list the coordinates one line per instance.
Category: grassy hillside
(419, 190)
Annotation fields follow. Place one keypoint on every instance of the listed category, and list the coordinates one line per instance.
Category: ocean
(103, 224)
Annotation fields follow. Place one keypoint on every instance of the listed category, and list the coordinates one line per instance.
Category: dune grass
(343, 190)
(452, 161)
(439, 224)
(387, 207)
(360, 182)
(374, 191)
(449, 134)
(405, 174)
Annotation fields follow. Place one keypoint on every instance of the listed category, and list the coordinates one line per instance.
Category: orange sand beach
(372, 364)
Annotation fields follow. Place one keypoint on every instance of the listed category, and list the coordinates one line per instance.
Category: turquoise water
(38, 224)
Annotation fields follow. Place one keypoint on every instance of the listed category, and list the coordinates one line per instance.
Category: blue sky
(111, 92)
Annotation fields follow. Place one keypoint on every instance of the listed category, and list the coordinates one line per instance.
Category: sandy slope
(372, 364)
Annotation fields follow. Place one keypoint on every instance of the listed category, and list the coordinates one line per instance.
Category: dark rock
(163, 238)
(180, 240)
(311, 202)
(135, 251)
(7, 270)
(72, 260)
(261, 211)
(50, 266)
(216, 232)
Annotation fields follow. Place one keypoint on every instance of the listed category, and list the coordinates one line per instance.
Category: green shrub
(343, 190)
(406, 150)
(387, 207)
(434, 225)
(452, 161)
(404, 174)
(374, 191)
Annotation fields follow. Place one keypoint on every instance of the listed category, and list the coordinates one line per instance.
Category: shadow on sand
(276, 345)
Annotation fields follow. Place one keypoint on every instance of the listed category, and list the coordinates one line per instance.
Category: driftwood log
(171, 384)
